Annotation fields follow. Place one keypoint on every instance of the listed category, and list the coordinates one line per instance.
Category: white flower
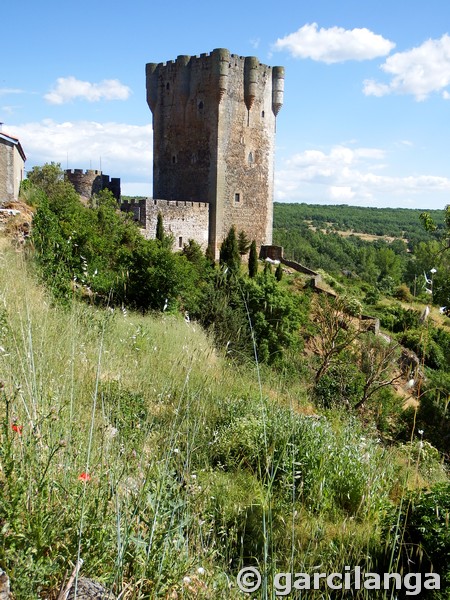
(112, 431)
(201, 571)
(186, 580)
(420, 431)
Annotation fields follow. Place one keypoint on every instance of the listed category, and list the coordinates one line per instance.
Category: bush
(419, 534)
(342, 385)
(403, 293)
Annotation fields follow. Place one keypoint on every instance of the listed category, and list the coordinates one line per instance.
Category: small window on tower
(180, 242)
(250, 158)
(200, 105)
(167, 86)
(174, 159)
(237, 197)
(262, 114)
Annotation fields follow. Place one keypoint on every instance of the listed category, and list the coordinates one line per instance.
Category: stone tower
(214, 122)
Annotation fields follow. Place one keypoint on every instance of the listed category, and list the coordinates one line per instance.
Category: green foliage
(427, 349)
(99, 253)
(279, 272)
(309, 235)
(403, 293)
(243, 243)
(275, 315)
(229, 252)
(372, 296)
(328, 468)
(397, 319)
(341, 385)
(160, 235)
(253, 260)
(419, 536)
(158, 278)
(433, 415)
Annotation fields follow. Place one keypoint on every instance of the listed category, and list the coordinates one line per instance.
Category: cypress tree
(160, 228)
(253, 260)
(279, 272)
(229, 252)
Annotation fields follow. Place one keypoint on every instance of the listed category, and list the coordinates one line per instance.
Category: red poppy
(17, 428)
(84, 476)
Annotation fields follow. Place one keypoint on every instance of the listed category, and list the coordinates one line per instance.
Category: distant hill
(341, 237)
(391, 222)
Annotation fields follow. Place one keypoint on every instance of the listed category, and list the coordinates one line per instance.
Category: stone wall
(12, 168)
(184, 220)
(213, 138)
(91, 182)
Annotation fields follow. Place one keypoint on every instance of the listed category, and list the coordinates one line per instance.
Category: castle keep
(213, 146)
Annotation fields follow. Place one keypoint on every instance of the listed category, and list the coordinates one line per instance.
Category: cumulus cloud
(124, 150)
(335, 44)
(420, 71)
(352, 174)
(69, 88)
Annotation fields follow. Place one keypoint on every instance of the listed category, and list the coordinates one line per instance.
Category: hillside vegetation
(383, 247)
(171, 435)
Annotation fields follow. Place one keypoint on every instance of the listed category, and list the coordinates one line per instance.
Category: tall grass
(130, 442)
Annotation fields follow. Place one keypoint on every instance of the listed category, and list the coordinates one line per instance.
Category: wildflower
(420, 431)
(201, 571)
(84, 477)
(111, 431)
(17, 428)
(186, 580)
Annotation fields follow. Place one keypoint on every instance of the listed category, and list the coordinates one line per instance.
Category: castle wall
(184, 220)
(214, 128)
(90, 182)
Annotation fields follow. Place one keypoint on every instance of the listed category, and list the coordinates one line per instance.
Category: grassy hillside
(130, 441)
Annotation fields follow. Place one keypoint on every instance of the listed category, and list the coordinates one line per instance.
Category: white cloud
(420, 71)
(335, 44)
(345, 174)
(124, 150)
(7, 91)
(69, 88)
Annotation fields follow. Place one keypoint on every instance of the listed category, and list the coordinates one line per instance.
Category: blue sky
(367, 89)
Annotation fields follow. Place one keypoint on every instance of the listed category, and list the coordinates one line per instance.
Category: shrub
(342, 385)
(403, 293)
(419, 533)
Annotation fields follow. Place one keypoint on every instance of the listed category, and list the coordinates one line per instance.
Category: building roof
(15, 141)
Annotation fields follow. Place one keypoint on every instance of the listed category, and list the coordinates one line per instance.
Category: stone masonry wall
(183, 219)
(90, 182)
(214, 129)
(6, 172)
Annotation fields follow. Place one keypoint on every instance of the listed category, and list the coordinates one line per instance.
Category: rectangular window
(237, 197)
(180, 242)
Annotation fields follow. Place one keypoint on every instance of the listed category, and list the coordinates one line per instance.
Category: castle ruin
(90, 182)
(214, 118)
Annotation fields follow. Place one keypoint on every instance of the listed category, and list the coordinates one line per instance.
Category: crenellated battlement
(214, 119)
(89, 182)
(179, 203)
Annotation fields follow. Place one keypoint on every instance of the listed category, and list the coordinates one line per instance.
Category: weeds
(128, 441)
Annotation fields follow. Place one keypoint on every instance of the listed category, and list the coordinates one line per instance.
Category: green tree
(160, 235)
(229, 252)
(253, 260)
(279, 272)
(243, 243)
